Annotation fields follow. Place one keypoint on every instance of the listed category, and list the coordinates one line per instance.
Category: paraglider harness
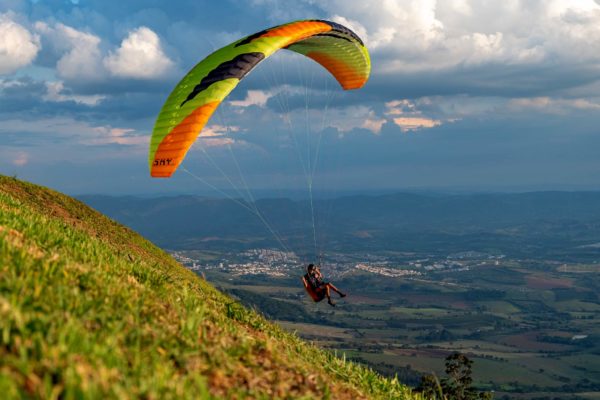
(312, 285)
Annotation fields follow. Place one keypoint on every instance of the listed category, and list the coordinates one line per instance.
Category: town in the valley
(277, 263)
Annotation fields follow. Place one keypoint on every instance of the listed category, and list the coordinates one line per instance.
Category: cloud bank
(461, 91)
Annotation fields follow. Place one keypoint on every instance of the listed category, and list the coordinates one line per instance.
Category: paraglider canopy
(196, 97)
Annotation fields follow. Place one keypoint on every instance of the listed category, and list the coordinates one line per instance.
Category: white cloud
(407, 114)
(217, 135)
(139, 56)
(584, 104)
(349, 118)
(253, 98)
(408, 124)
(398, 107)
(80, 51)
(429, 112)
(425, 35)
(373, 123)
(55, 92)
(122, 136)
(534, 102)
(10, 83)
(18, 46)
(77, 132)
(20, 159)
(550, 105)
(461, 7)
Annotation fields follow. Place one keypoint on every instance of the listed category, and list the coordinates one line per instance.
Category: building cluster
(270, 256)
(391, 272)
(463, 261)
(277, 263)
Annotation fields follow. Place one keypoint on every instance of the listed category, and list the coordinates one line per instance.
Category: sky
(463, 95)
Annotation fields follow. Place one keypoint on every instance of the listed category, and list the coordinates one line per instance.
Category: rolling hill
(90, 309)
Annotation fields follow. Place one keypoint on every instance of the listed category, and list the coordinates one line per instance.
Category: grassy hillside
(88, 308)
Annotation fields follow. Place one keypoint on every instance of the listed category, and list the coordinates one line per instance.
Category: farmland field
(528, 332)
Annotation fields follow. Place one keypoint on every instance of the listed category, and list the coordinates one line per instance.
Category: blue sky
(464, 95)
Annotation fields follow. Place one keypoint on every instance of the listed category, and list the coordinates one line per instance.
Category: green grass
(425, 312)
(499, 308)
(89, 309)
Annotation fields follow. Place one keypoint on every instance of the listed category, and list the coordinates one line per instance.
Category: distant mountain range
(556, 224)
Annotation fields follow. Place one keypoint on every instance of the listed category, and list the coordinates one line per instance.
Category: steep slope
(90, 309)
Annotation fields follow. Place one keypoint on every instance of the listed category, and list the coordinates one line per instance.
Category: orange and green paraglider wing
(195, 98)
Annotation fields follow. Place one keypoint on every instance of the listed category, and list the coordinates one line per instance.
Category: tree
(458, 383)
(430, 387)
(457, 386)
